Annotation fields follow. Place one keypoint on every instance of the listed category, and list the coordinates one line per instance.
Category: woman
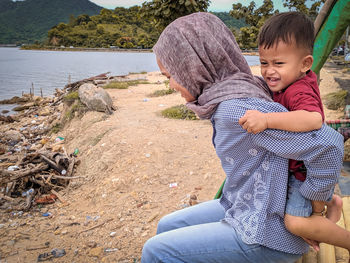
(203, 62)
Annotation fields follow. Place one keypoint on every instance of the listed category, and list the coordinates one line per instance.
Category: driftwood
(75, 85)
(45, 170)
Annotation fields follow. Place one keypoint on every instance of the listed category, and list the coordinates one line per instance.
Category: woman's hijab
(202, 55)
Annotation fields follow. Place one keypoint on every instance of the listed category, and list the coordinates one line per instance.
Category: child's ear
(307, 63)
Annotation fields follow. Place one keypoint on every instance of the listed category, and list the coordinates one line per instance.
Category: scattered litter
(112, 234)
(13, 168)
(173, 185)
(47, 214)
(55, 253)
(103, 144)
(161, 105)
(76, 151)
(29, 192)
(146, 99)
(46, 199)
(111, 249)
(148, 155)
(59, 139)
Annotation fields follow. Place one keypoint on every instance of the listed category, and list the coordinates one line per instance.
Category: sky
(216, 5)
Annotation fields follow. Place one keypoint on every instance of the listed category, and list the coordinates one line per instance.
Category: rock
(24, 107)
(91, 244)
(96, 252)
(12, 136)
(95, 98)
(5, 111)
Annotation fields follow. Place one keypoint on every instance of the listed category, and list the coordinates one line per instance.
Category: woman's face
(174, 85)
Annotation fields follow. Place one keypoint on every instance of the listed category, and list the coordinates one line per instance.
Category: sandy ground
(129, 160)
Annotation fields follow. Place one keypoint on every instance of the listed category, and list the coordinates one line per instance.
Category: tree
(163, 12)
(255, 18)
(300, 6)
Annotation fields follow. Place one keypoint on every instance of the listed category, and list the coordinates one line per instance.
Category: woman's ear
(307, 63)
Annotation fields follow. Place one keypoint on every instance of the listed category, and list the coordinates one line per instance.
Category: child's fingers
(242, 120)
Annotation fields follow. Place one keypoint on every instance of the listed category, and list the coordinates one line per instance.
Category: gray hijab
(202, 55)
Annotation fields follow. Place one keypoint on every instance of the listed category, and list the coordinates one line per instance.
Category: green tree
(255, 18)
(163, 12)
(300, 6)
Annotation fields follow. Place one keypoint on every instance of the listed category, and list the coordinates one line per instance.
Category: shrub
(124, 84)
(336, 100)
(179, 112)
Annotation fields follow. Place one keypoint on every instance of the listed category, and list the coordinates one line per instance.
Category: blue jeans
(197, 234)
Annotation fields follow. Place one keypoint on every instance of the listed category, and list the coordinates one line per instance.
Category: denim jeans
(197, 234)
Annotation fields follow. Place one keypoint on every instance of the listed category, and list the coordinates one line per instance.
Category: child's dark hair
(286, 27)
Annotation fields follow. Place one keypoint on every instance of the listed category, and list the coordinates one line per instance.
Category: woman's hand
(254, 121)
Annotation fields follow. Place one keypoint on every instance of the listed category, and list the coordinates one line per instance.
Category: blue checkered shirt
(256, 167)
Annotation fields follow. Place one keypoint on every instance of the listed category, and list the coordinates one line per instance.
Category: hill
(28, 21)
(121, 27)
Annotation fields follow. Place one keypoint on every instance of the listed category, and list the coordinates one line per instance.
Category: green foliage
(163, 12)
(179, 112)
(255, 17)
(124, 84)
(336, 100)
(28, 21)
(71, 97)
(121, 27)
(162, 92)
(300, 6)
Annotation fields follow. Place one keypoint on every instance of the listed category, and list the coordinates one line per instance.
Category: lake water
(48, 70)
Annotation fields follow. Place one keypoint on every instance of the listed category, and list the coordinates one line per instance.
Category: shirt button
(313, 135)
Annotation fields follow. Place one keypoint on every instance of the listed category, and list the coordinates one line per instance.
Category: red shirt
(303, 94)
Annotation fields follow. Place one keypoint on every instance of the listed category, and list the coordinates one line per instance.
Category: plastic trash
(12, 168)
(145, 100)
(57, 253)
(173, 185)
(111, 249)
(76, 151)
(46, 214)
(29, 192)
(347, 57)
(59, 139)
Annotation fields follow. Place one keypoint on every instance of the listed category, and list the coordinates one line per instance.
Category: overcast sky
(216, 5)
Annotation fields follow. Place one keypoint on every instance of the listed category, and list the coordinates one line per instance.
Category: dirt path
(128, 161)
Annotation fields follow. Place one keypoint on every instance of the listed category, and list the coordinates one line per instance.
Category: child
(285, 50)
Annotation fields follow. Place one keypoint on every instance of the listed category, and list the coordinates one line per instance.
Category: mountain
(29, 21)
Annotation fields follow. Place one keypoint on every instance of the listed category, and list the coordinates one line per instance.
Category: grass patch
(71, 97)
(142, 72)
(179, 112)
(336, 100)
(124, 84)
(162, 92)
(56, 128)
(78, 108)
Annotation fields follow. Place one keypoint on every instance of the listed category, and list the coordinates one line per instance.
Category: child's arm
(295, 121)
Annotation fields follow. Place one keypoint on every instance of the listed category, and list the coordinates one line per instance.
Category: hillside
(121, 27)
(28, 21)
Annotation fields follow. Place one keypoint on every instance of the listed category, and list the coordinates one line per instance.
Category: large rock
(95, 98)
(12, 136)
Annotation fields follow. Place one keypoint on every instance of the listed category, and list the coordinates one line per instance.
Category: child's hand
(253, 121)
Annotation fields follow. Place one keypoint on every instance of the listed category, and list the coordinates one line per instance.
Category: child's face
(283, 64)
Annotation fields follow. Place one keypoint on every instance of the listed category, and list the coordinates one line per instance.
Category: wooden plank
(341, 254)
(326, 254)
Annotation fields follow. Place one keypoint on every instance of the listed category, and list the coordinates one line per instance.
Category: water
(48, 70)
